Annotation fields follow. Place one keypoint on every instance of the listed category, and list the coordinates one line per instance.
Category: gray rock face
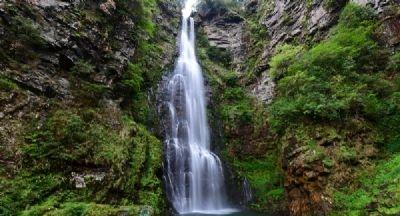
(81, 179)
(290, 20)
(264, 89)
(285, 21)
(378, 5)
(225, 31)
(43, 40)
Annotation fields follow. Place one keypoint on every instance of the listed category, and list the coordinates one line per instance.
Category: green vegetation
(265, 178)
(6, 84)
(378, 191)
(337, 79)
(85, 136)
(25, 31)
(69, 142)
(83, 69)
(52, 208)
(343, 93)
(247, 145)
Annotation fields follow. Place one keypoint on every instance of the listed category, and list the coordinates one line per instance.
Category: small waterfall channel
(194, 175)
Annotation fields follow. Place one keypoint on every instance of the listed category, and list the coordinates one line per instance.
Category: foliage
(335, 79)
(265, 178)
(332, 4)
(70, 141)
(339, 99)
(132, 79)
(239, 110)
(82, 68)
(25, 31)
(222, 5)
(53, 208)
(378, 186)
(219, 55)
(6, 84)
(285, 56)
(25, 190)
(394, 63)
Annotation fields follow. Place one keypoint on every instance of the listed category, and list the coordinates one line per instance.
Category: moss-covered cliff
(304, 104)
(308, 102)
(75, 114)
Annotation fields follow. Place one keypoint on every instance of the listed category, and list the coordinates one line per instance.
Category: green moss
(265, 178)
(285, 56)
(25, 31)
(25, 190)
(71, 141)
(52, 208)
(335, 78)
(83, 68)
(378, 191)
(219, 55)
(7, 85)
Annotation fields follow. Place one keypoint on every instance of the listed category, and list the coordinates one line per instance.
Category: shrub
(285, 56)
(355, 15)
(219, 55)
(394, 63)
(132, 78)
(82, 68)
(334, 79)
(378, 185)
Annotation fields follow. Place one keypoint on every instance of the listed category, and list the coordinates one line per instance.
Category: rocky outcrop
(61, 34)
(307, 177)
(224, 30)
(71, 55)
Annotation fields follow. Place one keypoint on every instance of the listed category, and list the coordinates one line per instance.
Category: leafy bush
(219, 55)
(394, 63)
(264, 176)
(285, 56)
(334, 79)
(82, 68)
(355, 15)
(379, 186)
(132, 79)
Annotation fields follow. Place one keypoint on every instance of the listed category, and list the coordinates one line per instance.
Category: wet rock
(80, 179)
(146, 211)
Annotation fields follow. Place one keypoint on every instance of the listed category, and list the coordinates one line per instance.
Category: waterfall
(194, 175)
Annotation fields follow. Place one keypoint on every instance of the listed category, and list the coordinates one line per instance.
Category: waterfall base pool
(227, 212)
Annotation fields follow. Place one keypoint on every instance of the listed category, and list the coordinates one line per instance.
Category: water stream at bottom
(236, 213)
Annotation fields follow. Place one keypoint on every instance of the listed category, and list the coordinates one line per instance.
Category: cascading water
(194, 175)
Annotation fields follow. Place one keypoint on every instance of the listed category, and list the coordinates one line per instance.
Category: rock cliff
(253, 32)
(74, 77)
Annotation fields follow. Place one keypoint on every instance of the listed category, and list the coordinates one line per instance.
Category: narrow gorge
(199, 107)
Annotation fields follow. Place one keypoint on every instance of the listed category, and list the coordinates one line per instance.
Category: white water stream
(194, 175)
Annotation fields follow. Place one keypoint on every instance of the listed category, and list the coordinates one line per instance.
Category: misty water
(238, 213)
(194, 174)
